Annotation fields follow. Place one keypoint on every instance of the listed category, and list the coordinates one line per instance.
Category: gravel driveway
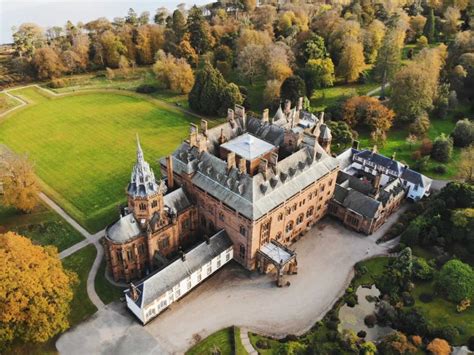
(233, 296)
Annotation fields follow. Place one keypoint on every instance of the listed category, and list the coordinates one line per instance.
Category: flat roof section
(248, 146)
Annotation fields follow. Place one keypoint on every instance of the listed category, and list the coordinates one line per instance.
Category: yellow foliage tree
(352, 61)
(35, 291)
(439, 347)
(175, 73)
(20, 185)
(466, 164)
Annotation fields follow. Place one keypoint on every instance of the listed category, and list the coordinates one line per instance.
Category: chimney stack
(230, 161)
(355, 145)
(193, 134)
(287, 107)
(204, 127)
(263, 168)
(394, 155)
(299, 106)
(243, 166)
(273, 159)
(182, 254)
(222, 138)
(230, 117)
(169, 171)
(133, 292)
(265, 115)
(321, 118)
(374, 149)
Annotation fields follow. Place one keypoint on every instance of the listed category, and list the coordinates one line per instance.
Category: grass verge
(107, 292)
(221, 340)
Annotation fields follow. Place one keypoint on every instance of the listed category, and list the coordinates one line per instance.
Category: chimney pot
(265, 115)
(230, 160)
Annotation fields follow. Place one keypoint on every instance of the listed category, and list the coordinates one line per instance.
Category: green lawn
(83, 145)
(375, 268)
(221, 340)
(7, 103)
(396, 142)
(272, 344)
(106, 291)
(80, 263)
(239, 347)
(323, 98)
(441, 313)
(43, 226)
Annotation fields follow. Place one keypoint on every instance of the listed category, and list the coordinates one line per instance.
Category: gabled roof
(381, 160)
(177, 200)
(357, 201)
(416, 178)
(165, 279)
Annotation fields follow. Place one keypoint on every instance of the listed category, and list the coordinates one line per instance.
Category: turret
(145, 194)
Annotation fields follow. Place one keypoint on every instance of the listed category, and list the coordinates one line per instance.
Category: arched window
(299, 219)
(142, 206)
(278, 236)
(280, 216)
(289, 227)
(310, 211)
(243, 231)
(154, 203)
(221, 216)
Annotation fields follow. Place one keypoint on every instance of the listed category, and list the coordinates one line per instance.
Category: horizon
(48, 13)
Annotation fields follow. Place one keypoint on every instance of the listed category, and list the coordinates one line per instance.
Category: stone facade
(259, 179)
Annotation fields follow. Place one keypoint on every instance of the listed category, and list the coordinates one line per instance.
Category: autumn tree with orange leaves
(35, 291)
(365, 111)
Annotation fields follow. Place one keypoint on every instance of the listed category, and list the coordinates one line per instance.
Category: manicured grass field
(80, 263)
(221, 340)
(323, 98)
(7, 103)
(43, 226)
(84, 145)
(375, 268)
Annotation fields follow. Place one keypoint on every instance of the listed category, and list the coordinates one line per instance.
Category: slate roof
(248, 146)
(126, 228)
(276, 253)
(165, 279)
(416, 178)
(177, 200)
(357, 201)
(381, 160)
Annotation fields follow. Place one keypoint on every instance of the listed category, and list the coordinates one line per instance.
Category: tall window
(142, 206)
(164, 243)
(310, 211)
(203, 221)
(221, 216)
(185, 224)
(299, 219)
(242, 252)
(119, 256)
(289, 227)
(129, 255)
(243, 231)
(280, 216)
(154, 203)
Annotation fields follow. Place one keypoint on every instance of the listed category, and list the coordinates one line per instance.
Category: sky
(47, 13)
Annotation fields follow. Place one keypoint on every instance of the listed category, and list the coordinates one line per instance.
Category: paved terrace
(233, 296)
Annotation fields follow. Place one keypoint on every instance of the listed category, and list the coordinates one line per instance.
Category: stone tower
(325, 138)
(145, 194)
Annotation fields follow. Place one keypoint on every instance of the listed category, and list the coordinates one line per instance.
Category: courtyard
(233, 296)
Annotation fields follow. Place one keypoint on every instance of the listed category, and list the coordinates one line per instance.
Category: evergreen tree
(132, 17)
(389, 59)
(292, 89)
(442, 148)
(198, 30)
(229, 98)
(179, 25)
(429, 30)
(207, 90)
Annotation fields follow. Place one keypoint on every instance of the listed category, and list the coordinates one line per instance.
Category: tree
(251, 61)
(47, 63)
(389, 59)
(20, 185)
(396, 343)
(420, 126)
(313, 48)
(278, 58)
(27, 38)
(442, 148)
(352, 61)
(199, 33)
(35, 291)
(373, 39)
(179, 25)
(229, 98)
(456, 281)
(211, 94)
(132, 17)
(319, 73)
(451, 15)
(143, 47)
(429, 30)
(112, 47)
(369, 112)
(248, 37)
(421, 269)
(463, 133)
(176, 74)
(271, 93)
(439, 347)
(466, 167)
(341, 135)
(292, 89)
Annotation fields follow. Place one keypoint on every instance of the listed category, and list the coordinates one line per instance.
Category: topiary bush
(362, 334)
(370, 320)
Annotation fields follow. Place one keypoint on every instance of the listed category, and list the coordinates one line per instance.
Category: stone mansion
(244, 190)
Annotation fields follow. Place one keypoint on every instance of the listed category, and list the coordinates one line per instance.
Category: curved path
(89, 239)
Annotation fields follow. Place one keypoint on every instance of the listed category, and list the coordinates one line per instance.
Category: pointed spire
(140, 158)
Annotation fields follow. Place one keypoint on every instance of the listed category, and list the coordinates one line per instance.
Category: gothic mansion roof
(248, 146)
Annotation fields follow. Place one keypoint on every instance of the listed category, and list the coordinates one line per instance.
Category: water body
(47, 13)
(353, 318)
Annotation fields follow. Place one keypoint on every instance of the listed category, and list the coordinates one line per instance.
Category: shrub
(332, 325)
(263, 344)
(440, 169)
(408, 300)
(351, 300)
(370, 320)
(449, 333)
(456, 280)
(421, 269)
(442, 149)
(416, 340)
(57, 83)
(470, 343)
(463, 133)
(463, 305)
(146, 88)
(362, 334)
(426, 146)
